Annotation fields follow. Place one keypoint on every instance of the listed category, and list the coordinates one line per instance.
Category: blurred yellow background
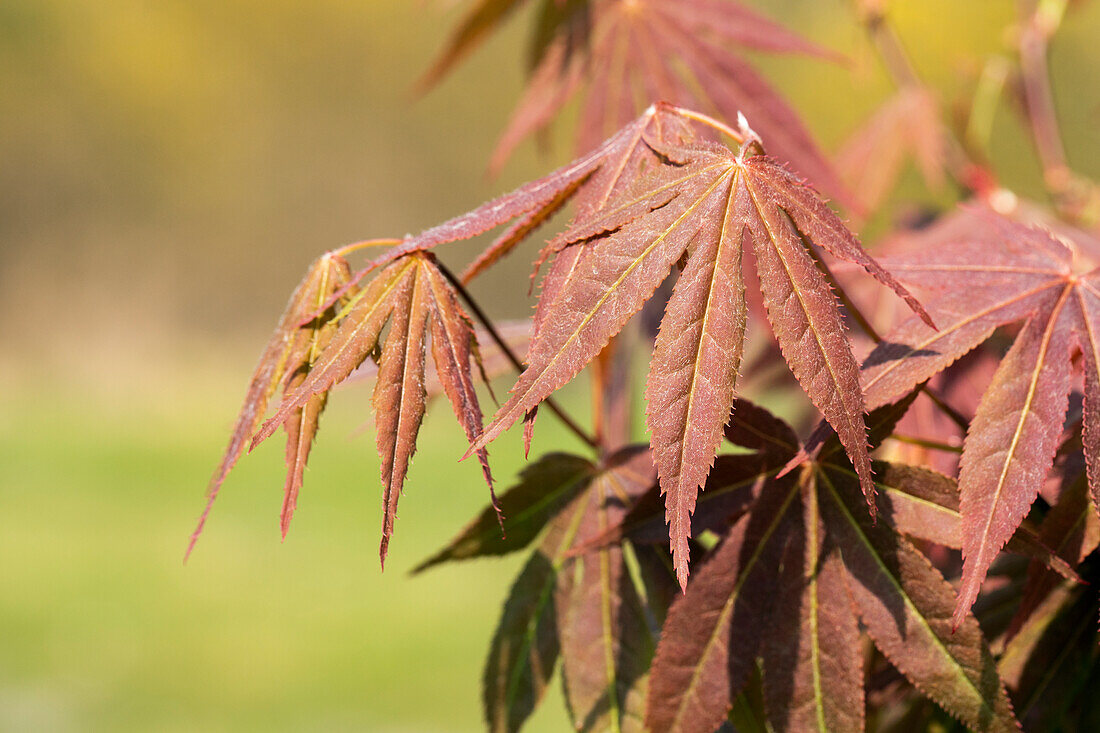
(167, 170)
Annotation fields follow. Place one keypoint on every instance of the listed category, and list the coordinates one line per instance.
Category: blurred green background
(167, 170)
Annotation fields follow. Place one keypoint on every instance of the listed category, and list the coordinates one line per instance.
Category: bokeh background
(167, 170)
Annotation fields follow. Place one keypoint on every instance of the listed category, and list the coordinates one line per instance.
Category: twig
(1041, 22)
(507, 351)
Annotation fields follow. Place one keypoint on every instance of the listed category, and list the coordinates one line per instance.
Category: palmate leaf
(1001, 273)
(790, 582)
(289, 356)
(415, 298)
(586, 606)
(614, 53)
(706, 202)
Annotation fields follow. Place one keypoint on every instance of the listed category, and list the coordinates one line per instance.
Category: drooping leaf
(416, 298)
(545, 487)
(301, 428)
(289, 353)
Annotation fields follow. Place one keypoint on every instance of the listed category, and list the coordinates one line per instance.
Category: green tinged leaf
(525, 646)
(709, 641)
(545, 488)
(906, 606)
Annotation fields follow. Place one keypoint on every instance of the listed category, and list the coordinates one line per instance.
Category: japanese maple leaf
(704, 203)
(795, 581)
(416, 299)
(585, 609)
(407, 283)
(621, 55)
(1001, 272)
(907, 125)
(303, 331)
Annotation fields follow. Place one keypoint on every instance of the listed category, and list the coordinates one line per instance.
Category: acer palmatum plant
(926, 564)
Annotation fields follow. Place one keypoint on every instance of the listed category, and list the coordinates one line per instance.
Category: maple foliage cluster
(923, 556)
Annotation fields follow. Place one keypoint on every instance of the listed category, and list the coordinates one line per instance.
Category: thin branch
(924, 443)
(507, 351)
(710, 122)
(365, 244)
(962, 167)
(1041, 22)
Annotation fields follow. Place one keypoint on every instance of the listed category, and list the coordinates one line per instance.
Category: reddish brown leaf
(804, 317)
(1010, 446)
(605, 639)
(691, 381)
(289, 350)
(700, 201)
(399, 396)
(813, 662)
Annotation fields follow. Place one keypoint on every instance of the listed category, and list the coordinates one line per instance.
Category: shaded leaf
(813, 665)
(525, 646)
(708, 643)
(545, 488)
(906, 606)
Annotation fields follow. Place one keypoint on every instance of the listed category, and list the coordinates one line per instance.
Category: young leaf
(417, 298)
(302, 427)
